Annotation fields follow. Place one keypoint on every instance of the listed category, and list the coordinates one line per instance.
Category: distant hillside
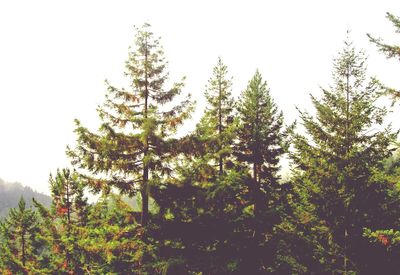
(10, 193)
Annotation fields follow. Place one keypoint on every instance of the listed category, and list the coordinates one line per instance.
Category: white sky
(54, 56)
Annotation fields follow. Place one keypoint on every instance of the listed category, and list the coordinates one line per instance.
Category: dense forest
(213, 201)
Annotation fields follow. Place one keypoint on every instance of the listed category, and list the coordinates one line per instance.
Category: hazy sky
(55, 55)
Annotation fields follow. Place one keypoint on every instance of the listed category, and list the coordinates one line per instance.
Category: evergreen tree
(209, 219)
(111, 242)
(21, 243)
(388, 237)
(261, 141)
(66, 218)
(338, 160)
(133, 150)
(216, 128)
(260, 138)
(69, 203)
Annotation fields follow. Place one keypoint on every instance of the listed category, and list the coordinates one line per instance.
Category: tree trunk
(144, 189)
(256, 191)
(145, 197)
(220, 126)
(345, 264)
(23, 249)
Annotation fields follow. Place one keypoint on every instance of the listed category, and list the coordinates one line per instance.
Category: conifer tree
(216, 128)
(133, 148)
(21, 243)
(210, 221)
(111, 242)
(69, 203)
(194, 204)
(261, 141)
(66, 218)
(338, 160)
(69, 210)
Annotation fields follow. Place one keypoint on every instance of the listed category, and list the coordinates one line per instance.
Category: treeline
(10, 193)
(213, 201)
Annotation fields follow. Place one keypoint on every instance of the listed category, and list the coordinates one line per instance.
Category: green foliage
(389, 237)
(216, 129)
(134, 145)
(340, 160)
(219, 205)
(207, 219)
(21, 249)
(391, 51)
(68, 213)
(111, 243)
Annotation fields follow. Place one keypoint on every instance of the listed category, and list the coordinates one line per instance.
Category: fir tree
(111, 242)
(132, 152)
(66, 218)
(216, 128)
(338, 159)
(261, 141)
(69, 203)
(21, 243)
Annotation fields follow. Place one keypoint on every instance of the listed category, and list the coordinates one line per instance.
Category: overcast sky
(55, 55)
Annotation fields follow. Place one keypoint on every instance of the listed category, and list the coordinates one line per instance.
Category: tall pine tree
(343, 148)
(216, 128)
(261, 142)
(133, 148)
(260, 139)
(194, 204)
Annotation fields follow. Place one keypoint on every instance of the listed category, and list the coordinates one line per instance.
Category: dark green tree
(261, 142)
(209, 221)
(338, 160)
(134, 146)
(260, 139)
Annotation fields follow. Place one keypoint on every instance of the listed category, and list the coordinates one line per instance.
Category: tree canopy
(215, 200)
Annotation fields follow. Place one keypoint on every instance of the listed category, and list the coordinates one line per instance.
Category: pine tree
(260, 139)
(21, 243)
(261, 142)
(111, 242)
(69, 210)
(208, 223)
(69, 203)
(132, 152)
(216, 128)
(65, 220)
(193, 217)
(338, 160)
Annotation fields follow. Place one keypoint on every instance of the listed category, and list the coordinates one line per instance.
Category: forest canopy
(213, 201)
